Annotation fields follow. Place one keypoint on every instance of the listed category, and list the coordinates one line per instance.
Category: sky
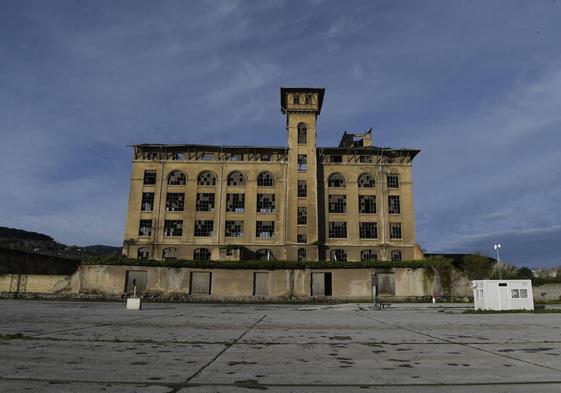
(475, 85)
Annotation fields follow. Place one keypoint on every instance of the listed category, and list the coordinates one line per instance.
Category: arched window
(177, 178)
(338, 255)
(368, 255)
(396, 255)
(201, 254)
(264, 254)
(302, 132)
(143, 253)
(336, 180)
(265, 179)
(169, 253)
(206, 179)
(301, 254)
(366, 180)
(236, 179)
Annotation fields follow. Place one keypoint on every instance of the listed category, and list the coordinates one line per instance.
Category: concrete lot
(101, 347)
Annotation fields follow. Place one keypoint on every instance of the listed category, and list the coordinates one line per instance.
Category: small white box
(133, 303)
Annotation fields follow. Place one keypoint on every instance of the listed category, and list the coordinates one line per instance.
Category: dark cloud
(468, 82)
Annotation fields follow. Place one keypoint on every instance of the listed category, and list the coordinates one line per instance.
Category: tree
(525, 273)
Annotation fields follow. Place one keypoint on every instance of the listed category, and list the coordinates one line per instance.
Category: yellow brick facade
(170, 215)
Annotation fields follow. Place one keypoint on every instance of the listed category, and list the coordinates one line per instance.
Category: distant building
(352, 202)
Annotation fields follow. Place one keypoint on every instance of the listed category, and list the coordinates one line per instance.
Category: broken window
(395, 230)
(367, 204)
(302, 215)
(302, 131)
(393, 204)
(302, 162)
(265, 179)
(147, 204)
(265, 157)
(177, 178)
(368, 255)
(173, 227)
(368, 230)
(265, 229)
(265, 203)
(338, 255)
(365, 159)
(264, 254)
(206, 179)
(235, 203)
(169, 253)
(236, 179)
(201, 254)
(175, 202)
(337, 203)
(393, 181)
(366, 180)
(233, 229)
(396, 255)
(205, 202)
(204, 227)
(143, 253)
(301, 238)
(302, 189)
(301, 254)
(145, 228)
(336, 159)
(321, 284)
(336, 180)
(337, 229)
(149, 177)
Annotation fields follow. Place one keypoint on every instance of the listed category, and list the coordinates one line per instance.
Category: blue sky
(476, 85)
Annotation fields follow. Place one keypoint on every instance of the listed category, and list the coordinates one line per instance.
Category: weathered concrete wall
(547, 293)
(34, 283)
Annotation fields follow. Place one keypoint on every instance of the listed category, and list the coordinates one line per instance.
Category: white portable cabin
(503, 295)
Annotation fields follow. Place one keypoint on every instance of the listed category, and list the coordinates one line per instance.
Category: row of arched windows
(264, 179)
(207, 178)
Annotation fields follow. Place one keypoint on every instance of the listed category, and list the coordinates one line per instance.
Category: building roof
(285, 90)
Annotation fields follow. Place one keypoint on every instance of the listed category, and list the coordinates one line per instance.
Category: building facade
(352, 202)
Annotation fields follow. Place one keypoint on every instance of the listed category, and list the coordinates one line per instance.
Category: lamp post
(497, 247)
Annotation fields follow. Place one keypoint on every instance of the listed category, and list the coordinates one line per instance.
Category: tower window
(301, 238)
(173, 227)
(302, 189)
(302, 131)
(177, 178)
(149, 177)
(265, 157)
(395, 230)
(393, 204)
(368, 230)
(337, 203)
(302, 215)
(302, 162)
(145, 228)
(365, 159)
(175, 202)
(308, 99)
(296, 99)
(147, 202)
(337, 230)
(367, 204)
(336, 159)
(393, 181)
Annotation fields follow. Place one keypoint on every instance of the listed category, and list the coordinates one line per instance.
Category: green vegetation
(433, 263)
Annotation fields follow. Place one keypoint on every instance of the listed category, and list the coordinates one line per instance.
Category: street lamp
(497, 247)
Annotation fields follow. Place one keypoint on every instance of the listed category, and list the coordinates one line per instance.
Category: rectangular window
(204, 227)
(145, 228)
(265, 157)
(233, 229)
(301, 238)
(393, 204)
(260, 284)
(265, 203)
(393, 181)
(147, 202)
(173, 227)
(175, 202)
(336, 159)
(337, 203)
(265, 229)
(208, 157)
(302, 162)
(235, 203)
(149, 177)
(337, 230)
(395, 230)
(199, 283)
(321, 284)
(515, 293)
(367, 204)
(524, 294)
(302, 215)
(302, 189)
(365, 159)
(368, 230)
(205, 202)
(236, 157)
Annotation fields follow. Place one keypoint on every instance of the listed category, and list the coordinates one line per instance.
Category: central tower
(302, 107)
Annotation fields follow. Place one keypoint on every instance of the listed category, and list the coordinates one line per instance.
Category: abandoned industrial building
(352, 202)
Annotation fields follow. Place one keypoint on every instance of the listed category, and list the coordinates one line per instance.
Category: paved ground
(101, 347)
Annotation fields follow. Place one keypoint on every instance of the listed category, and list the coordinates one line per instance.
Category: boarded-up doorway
(199, 283)
(138, 278)
(321, 284)
(386, 283)
(261, 284)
